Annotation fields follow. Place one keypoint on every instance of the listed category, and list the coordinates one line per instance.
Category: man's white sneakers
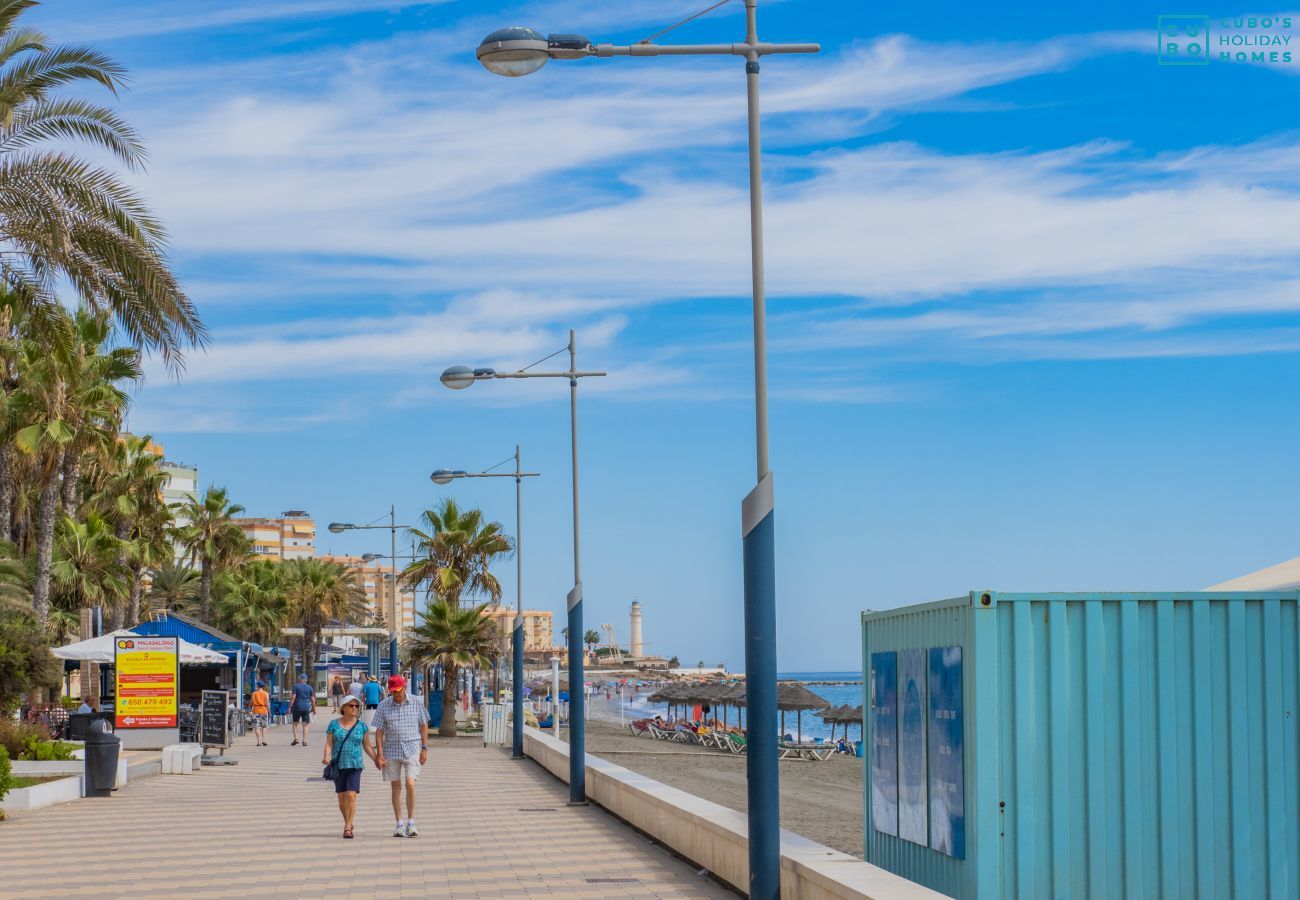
(399, 830)
(411, 830)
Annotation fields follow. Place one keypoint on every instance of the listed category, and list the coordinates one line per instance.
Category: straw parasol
(792, 695)
(842, 715)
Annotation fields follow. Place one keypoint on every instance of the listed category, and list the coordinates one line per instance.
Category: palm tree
(127, 489)
(173, 586)
(459, 548)
(453, 637)
(87, 563)
(66, 221)
(252, 601)
(211, 538)
(61, 406)
(591, 638)
(319, 592)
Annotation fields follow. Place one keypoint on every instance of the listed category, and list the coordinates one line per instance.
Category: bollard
(102, 750)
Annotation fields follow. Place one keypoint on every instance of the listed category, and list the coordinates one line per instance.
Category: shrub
(48, 750)
(15, 736)
(70, 703)
(6, 774)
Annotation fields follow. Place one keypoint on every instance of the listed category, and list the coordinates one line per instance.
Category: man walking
(371, 694)
(354, 688)
(401, 727)
(260, 703)
(304, 702)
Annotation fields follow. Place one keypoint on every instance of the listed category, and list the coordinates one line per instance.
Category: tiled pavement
(489, 827)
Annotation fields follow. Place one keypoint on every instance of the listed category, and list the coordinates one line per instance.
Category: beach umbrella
(791, 695)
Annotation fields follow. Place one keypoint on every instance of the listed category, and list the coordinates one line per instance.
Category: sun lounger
(811, 750)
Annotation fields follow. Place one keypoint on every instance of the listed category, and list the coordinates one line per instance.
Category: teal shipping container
(1034, 745)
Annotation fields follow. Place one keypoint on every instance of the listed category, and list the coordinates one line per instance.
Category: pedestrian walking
(371, 694)
(336, 691)
(401, 728)
(260, 704)
(354, 687)
(346, 739)
(304, 703)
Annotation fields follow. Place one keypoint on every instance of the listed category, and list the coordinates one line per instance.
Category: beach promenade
(489, 827)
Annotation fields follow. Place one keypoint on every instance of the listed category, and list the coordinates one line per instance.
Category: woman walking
(346, 738)
(336, 691)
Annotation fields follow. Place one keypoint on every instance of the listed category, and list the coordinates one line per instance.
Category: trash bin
(102, 751)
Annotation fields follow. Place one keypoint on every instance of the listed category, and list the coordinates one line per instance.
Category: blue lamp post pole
(520, 51)
(459, 377)
(446, 476)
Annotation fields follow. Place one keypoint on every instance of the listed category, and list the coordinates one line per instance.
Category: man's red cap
(395, 682)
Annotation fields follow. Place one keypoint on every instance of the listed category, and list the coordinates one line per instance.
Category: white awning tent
(1284, 576)
(100, 650)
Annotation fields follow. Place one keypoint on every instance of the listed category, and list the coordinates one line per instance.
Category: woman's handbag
(331, 772)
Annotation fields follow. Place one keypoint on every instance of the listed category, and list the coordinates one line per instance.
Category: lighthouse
(637, 648)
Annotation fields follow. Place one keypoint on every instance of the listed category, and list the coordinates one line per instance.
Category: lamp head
(371, 557)
(513, 51)
(339, 527)
(458, 377)
(441, 476)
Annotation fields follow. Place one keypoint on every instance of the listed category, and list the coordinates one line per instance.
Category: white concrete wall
(715, 837)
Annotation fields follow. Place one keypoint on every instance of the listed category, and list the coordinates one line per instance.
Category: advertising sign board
(147, 678)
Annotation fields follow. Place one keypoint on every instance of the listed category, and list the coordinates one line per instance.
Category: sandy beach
(819, 800)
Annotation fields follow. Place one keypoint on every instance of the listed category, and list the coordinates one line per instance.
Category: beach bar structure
(1025, 745)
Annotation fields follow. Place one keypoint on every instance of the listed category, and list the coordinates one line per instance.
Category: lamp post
(460, 377)
(393, 627)
(446, 476)
(520, 51)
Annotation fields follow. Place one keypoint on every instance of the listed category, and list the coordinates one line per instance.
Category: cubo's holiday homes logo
(1198, 40)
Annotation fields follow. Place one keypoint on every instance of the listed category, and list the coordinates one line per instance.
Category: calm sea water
(812, 726)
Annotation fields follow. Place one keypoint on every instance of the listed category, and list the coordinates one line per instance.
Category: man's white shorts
(402, 769)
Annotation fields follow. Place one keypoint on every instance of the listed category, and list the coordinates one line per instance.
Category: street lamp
(460, 377)
(446, 476)
(520, 51)
(339, 528)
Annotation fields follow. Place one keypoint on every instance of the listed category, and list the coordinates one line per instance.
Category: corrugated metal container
(1086, 745)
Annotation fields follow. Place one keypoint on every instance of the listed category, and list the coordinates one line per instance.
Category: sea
(837, 688)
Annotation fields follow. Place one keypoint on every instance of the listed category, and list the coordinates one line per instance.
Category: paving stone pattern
(490, 826)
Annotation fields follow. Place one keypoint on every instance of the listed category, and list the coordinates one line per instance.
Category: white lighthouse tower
(638, 647)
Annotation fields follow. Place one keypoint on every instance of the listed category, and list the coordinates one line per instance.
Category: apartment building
(537, 625)
(291, 535)
(377, 579)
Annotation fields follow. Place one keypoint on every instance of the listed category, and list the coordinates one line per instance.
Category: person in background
(371, 694)
(304, 703)
(351, 737)
(354, 686)
(84, 707)
(336, 692)
(401, 732)
(259, 703)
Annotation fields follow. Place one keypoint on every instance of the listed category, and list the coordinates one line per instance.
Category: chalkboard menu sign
(212, 719)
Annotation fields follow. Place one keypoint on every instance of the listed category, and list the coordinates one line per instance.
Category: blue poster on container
(912, 786)
(947, 784)
(884, 742)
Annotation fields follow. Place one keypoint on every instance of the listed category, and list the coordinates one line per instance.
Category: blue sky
(1034, 300)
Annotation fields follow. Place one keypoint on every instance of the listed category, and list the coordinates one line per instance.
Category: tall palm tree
(62, 406)
(211, 538)
(320, 592)
(454, 637)
(253, 601)
(173, 586)
(458, 548)
(127, 485)
(87, 564)
(66, 221)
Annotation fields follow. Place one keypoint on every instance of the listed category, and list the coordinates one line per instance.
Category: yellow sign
(148, 681)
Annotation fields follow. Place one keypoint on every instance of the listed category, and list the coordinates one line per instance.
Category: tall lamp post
(446, 476)
(459, 377)
(339, 528)
(520, 51)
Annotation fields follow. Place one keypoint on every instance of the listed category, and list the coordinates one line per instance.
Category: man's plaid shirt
(401, 723)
